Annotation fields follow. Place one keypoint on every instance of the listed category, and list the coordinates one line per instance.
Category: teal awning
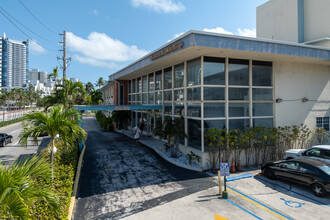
(117, 107)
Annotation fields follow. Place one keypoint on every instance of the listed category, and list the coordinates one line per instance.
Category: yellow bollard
(219, 180)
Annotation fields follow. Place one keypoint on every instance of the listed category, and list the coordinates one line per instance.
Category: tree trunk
(52, 158)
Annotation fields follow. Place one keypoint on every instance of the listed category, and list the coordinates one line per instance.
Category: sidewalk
(158, 147)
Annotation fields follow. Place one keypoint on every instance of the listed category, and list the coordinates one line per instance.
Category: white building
(225, 81)
(14, 62)
(299, 21)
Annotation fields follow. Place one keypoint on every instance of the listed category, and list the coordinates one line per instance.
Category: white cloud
(101, 50)
(241, 32)
(219, 30)
(36, 48)
(247, 32)
(160, 6)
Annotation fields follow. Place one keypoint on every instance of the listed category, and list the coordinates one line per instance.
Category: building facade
(299, 21)
(14, 62)
(35, 74)
(222, 81)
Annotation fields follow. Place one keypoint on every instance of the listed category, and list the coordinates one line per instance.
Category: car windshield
(325, 168)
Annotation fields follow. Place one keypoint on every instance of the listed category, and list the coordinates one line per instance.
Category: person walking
(137, 134)
(141, 126)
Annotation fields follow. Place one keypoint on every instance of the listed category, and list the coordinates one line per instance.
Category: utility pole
(64, 55)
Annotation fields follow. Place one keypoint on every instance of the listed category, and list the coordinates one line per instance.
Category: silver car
(319, 152)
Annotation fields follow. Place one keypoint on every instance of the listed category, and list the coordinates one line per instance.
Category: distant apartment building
(35, 74)
(14, 61)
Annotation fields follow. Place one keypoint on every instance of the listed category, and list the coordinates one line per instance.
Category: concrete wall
(293, 81)
(317, 17)
(278, 19)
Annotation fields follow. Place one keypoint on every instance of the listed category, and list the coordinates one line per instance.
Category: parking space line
(275, 184)
(257, 203)
(243, 209)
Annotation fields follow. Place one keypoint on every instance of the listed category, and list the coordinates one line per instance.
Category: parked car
(305, 171)
(5, 138)
(319, 152)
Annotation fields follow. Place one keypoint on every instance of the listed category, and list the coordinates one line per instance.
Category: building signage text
(122, 108)
(166, 50)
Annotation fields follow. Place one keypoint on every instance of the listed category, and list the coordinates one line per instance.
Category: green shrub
(65, 165)
(5, 123)
(105, 122)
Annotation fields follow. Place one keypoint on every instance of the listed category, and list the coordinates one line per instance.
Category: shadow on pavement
(294, 190)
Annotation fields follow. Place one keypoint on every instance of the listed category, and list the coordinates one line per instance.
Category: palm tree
(100, 82)
(56, 122)
(4, 97)
(89, 87)
(96, 97)
(19, 190)
(69, 91)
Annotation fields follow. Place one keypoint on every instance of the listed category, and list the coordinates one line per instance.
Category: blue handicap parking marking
(292, 204)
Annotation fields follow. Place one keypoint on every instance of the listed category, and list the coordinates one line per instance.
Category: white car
(319, 152)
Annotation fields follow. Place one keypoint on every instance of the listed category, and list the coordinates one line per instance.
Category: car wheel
(270, 174)
(4, 143)
(318, 190)
(10, 140)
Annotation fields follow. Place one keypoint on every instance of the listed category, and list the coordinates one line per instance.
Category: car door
(288, 170)
(307, 174)
(326, 156)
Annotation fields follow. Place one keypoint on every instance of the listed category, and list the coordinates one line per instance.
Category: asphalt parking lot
(120, 181)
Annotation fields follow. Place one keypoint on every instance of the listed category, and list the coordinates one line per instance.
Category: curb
(166, 158)
(75, 187)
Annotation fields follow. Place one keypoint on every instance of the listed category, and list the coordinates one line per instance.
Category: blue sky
(105, 35)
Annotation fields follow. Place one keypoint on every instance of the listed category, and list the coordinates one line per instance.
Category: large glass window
(194, 72)
(133, 86)
(159, 98)
(242, 124)
(263, 122)
(219, 124)
(262, 73)
(239, 110)
(159, 80)
(214, 110)
(194, 94)
(178, 95)
(179, 108)
(262, 94)
(262, 109)
(151, 98)
(238, 94)
(212, 93)
(144, 84)
(139, 85)
(238, 72)
(194, 109)
(138, 97)
(168, 108)
(168, 95)
(151, 82)
(214, 71)
(168, 78)
(129, 86)
(194, 134)
(144, 98)
(178, 75)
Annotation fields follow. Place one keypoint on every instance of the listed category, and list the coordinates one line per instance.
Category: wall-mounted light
(304, 99)
(279, 100)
